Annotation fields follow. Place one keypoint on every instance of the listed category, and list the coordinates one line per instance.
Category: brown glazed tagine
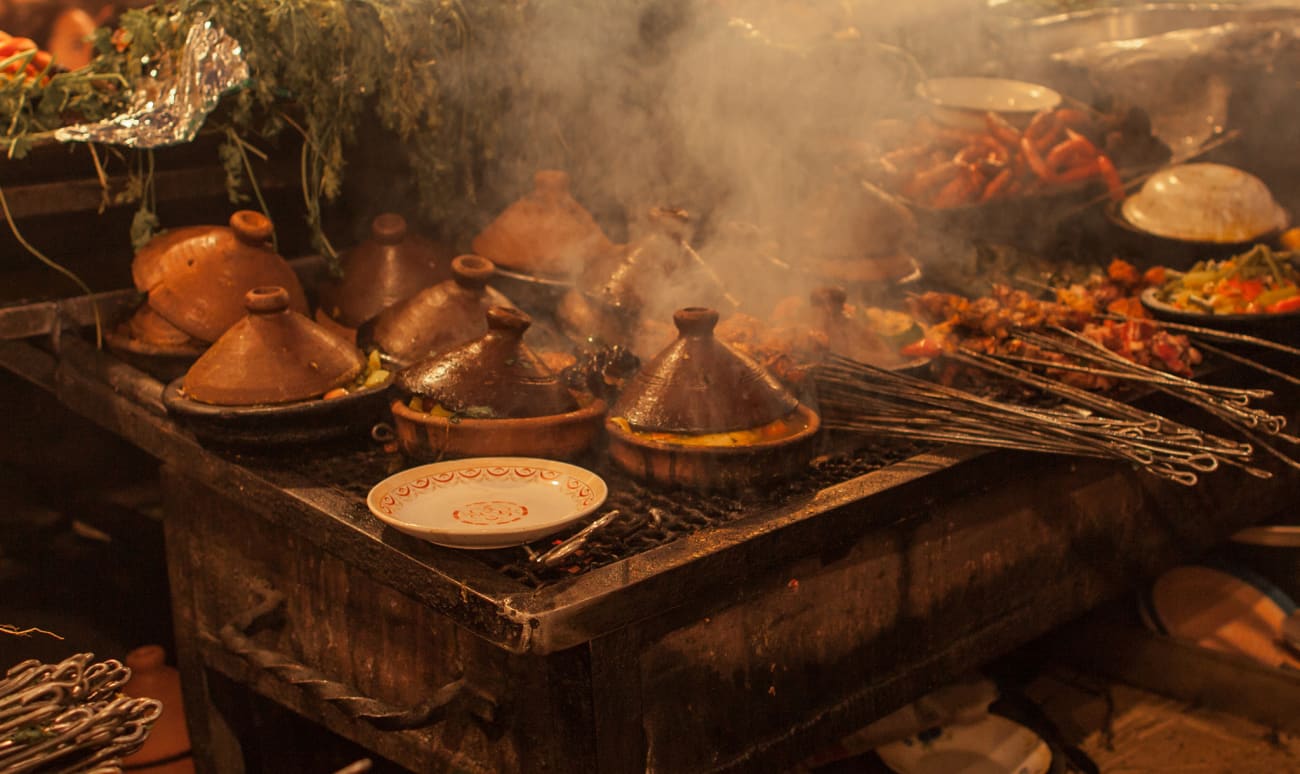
(852, 232)
(847, 335)
(273, 355)
(491, 397)
(194, 279)
(196, 276)
(389, 267)
(449, 313)
(647, 279)
(276, 376)
(546, 233)
(702, 415)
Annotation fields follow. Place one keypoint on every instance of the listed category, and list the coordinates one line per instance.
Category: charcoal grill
(733, 635)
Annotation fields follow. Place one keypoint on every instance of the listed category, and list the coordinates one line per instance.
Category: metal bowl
(1281, 327)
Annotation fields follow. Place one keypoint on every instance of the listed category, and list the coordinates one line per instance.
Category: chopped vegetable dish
(1260, 281)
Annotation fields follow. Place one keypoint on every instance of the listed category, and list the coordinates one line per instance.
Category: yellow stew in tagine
(782, 428)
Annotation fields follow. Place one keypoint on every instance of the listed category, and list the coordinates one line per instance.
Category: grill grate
(650, 516)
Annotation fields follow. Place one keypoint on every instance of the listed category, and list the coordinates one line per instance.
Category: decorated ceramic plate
(486, 502)
(991, 745)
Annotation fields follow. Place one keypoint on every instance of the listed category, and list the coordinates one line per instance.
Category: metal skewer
(1210, 333)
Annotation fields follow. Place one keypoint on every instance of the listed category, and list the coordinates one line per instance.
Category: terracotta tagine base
(426, 437)
(286, 424)
(714, 467)
(163, 362)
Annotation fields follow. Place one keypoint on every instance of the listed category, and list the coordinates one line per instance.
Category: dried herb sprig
(420, 70)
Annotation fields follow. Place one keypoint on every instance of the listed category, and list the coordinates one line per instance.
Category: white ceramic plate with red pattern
(487, 502)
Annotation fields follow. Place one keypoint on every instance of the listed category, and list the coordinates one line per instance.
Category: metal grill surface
(648, 516)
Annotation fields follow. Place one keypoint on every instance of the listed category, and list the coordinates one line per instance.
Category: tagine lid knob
(695, 321)
(167, 747)
(508, 321)
(388, 228)
(251, 227)
(472, 271)
(698, 384)
(551, 181)
(266, 300)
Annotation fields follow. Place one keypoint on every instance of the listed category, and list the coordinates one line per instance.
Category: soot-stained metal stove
(735, 634)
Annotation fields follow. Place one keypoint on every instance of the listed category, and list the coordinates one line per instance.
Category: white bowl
(990, 744)
(486, 502)
(1205, 203)
(962, 102)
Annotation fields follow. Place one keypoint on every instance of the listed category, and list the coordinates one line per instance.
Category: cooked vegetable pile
(1256, 282)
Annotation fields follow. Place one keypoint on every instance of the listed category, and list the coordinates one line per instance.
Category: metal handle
(386, 717)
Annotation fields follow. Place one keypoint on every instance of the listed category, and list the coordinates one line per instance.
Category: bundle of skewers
(1016, 372)
(70, 717)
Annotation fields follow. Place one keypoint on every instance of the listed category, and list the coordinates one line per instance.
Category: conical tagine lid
(196, 277)
(449, 313)
(273, 355)
(700, 385)
(391, 266)
(492, 377)
(546, 232)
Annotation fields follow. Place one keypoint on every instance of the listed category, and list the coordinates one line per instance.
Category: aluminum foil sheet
(169, 108)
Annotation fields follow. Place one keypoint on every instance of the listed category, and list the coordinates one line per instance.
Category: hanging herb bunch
(422, 70)
(432, 73)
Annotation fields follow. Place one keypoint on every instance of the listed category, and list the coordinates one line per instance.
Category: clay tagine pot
(391, 266)
(147, 341)
(449, 313)
(491, 396)
(647, 279)
(849, 231)
(273, 355)
(847, 335)
(704, 416)
(545, 233)
(196, 276)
